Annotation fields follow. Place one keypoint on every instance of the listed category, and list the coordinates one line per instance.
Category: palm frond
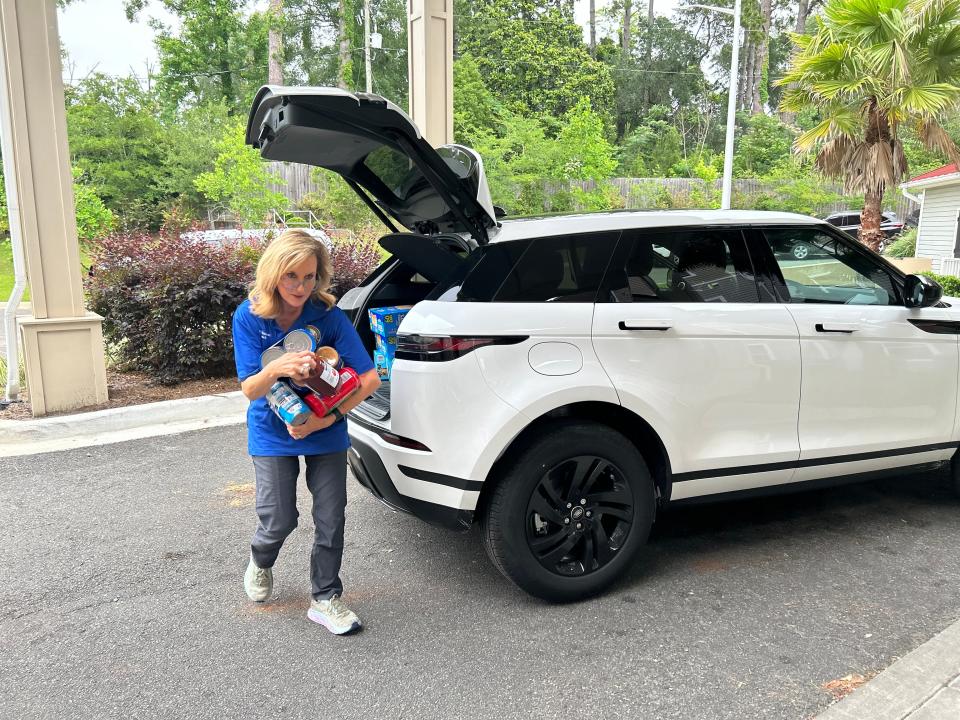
(843, 122)
(935, 138)
(900, 165)
(833, 158)
(831, 89)
(926, 99)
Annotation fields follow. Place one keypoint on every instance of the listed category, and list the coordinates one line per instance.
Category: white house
(938, 192)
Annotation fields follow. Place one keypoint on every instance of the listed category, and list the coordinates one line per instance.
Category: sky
(98, 37)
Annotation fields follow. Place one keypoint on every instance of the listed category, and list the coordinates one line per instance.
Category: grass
(6, 273)
(6, 270)
(3, 374)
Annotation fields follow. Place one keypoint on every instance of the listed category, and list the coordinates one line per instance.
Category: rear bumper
(436, 499)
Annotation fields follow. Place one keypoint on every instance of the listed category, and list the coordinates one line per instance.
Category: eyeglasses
(292, 284)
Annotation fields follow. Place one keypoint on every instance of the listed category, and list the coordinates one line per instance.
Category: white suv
(560, 379)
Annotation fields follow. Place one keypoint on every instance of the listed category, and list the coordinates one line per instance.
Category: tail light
(440, 348)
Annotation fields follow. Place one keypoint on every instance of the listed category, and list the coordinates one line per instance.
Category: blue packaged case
(383, 365)
(385, 321)
(387, 345)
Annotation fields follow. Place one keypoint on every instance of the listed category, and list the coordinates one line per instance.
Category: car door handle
(835, 327)
(661, 325)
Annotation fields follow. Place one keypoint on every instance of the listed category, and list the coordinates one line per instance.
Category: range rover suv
(561, 379)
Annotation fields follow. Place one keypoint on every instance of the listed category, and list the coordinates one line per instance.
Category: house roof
(946, 174)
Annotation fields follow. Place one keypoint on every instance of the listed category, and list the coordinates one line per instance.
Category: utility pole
(731, 101)
(366, 46)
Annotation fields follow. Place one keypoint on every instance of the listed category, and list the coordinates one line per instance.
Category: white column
(430, 63)
(63, 343)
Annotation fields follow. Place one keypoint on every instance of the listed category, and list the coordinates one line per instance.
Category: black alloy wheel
(579, 515)
(569, 511)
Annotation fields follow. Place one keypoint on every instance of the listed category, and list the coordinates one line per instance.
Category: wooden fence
(637, 193)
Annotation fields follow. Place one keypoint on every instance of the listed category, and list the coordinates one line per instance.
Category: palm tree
(873, 69)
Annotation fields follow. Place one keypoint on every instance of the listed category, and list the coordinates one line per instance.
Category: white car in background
(561, 379)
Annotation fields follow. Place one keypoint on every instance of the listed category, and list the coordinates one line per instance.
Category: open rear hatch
(378, 150)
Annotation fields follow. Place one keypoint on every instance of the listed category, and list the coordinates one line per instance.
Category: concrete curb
(102, 427)
(924, 685)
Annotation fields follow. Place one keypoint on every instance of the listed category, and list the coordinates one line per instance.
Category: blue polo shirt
(266, 433)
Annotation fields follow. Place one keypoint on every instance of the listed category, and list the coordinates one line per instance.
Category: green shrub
(904, 246)
(950, 284)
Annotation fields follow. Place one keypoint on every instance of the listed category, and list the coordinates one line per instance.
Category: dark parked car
(849, 222)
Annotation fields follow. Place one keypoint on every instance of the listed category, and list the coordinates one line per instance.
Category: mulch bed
(131, 388)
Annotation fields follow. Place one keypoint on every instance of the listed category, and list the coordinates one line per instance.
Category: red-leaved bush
(353, 259)
(167, 302)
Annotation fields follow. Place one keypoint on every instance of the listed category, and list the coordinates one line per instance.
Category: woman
(289, 293)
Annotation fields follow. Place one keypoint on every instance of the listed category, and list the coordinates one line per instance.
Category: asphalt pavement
(121, 596)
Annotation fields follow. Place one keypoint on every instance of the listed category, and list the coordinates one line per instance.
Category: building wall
(937, 234)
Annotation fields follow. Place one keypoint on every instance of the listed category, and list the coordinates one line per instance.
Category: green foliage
(904, 246)
(189, 150)
(239, 180)
(652, 148)
(795, 189)
(335, 204)
(117, 143)
(870, 68)
(762, 146)
(216, 54)
(476, 112)
(641, 82)
(949, 283)
(650, 195)
(581, 152)
(533, 58)
(94, 219)
(312, 59)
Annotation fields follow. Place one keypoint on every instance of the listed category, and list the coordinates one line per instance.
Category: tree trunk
(745, 75)
(275, 42)
(343, 71)
(870, 233)
(648, 53)
(627, 9)
(761, 58)
(593, 28)
(803, 10)
(876, 131)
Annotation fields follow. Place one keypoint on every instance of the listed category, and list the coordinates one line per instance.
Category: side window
(818, 268)
(567, 268)
(709, 265)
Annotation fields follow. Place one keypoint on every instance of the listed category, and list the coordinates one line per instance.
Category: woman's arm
(369, 382)
(290, 365)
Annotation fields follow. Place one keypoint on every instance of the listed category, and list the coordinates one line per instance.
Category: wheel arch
(637, 430)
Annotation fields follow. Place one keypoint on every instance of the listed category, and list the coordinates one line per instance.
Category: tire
(953, 481)
(541, 536)
(800, 251)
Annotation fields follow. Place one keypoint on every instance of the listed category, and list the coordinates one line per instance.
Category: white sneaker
(258, 582)
(334, 615)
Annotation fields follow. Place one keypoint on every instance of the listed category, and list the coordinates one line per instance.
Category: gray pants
(277, 514)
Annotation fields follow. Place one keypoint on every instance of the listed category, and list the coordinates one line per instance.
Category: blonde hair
(291, 248)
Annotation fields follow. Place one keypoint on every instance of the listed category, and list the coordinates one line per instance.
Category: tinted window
(709, 265)
(830, 271)
(555, 269)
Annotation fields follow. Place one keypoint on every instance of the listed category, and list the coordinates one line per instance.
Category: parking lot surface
(121, 596)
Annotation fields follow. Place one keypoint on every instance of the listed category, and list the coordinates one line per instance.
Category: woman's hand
(313, 423)
(296, 366)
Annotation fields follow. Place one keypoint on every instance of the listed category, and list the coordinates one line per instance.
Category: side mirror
(921, 291)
